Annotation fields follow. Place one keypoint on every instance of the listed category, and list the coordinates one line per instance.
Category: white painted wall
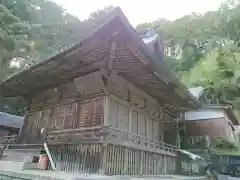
(204, 114)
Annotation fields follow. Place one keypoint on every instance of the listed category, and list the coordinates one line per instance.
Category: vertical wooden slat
(70, 115)
(84, 113)
(113, 117)
(125, 160)
(141, 127)
(111, 160)
(130, 123)
(104, 159)
(165, 164)
(134, 123)
(141, 162)
(150, 128)
(106, 109)
(154, 163)
(156, 130)
(123, 118)
(97, 106)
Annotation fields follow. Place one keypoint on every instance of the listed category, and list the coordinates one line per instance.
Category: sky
(140, 11)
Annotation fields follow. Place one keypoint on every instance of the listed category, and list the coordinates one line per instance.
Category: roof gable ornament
(153, 41)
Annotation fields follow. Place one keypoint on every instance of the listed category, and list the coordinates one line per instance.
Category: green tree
(204, 50)
(15, 40)
(33, 30)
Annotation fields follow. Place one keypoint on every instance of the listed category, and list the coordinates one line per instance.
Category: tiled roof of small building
(9, 120)
(196, 91)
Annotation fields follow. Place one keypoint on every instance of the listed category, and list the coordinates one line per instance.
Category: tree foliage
(205, 50)
(39, 27)
(33, 30)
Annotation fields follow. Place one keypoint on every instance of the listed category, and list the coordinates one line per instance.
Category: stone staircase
(18, 158)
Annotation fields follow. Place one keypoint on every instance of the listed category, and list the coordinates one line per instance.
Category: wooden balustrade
(106, 133)
(114, 152)
(115, 134)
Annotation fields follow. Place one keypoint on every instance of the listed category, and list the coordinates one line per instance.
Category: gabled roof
(43, 74)
(9, 120)
(196, 91)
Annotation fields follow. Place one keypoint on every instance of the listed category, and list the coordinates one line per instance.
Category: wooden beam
(112, 55)
(122, 81)
(147, 62)
(136, 52)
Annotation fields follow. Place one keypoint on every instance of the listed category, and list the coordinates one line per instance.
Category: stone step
(11, 165)
(20, 159)
(19, 154)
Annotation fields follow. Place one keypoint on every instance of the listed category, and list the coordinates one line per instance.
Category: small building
(9, 127)
(213, 120)
(109, 104)
(209, 121)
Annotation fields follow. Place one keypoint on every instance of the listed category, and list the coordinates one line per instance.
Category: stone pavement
(13, 170)
(48, 175)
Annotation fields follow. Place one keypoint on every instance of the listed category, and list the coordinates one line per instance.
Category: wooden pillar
(165, 164)
(1, 101)
(126, 160)
(155, 163)
(178, 136)
(130, 122)
(103, 159)
(141, 162)
(22, 130)
(106, 109)
(21, 138)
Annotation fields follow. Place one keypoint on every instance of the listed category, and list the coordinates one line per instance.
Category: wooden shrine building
(108, 103)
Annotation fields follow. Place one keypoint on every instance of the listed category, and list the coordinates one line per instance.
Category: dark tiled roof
(24, 82)
(9, 120)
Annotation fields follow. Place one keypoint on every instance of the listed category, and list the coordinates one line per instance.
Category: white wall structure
(202, 114)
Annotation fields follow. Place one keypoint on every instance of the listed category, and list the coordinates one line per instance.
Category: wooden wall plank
(123, 112)
(113, 116)
(134, 124)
